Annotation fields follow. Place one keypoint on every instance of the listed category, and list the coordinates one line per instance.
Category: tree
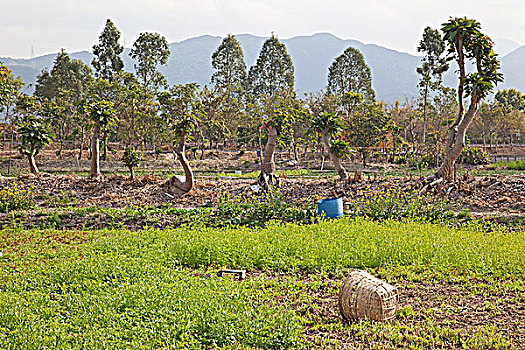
(65, 75)
(106, 60)
(181, 108)
(275, 127)
(33, 133)
(10, 92)
(230, 69)
(487, 122)
(63, 91)
(433, 65)
(467, 44)
(350, 73)
(512, 102)
(150, 50)
(131, 158)
(329, 126)
(224, 103)
(367, 124)
(273, 73)
(102, 114)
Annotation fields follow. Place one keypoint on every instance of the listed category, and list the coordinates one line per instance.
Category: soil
(439, 303)
(498, 197)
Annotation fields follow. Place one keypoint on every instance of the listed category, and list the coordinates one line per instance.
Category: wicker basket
(364, 296)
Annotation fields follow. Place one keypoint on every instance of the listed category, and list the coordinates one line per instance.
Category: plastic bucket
(331, 207)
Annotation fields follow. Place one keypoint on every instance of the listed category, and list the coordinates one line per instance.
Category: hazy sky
(49, 25)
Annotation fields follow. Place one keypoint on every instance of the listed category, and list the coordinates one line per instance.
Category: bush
(15, 195)
(131, 158)
(258, 209)
(474, 156)
(399, 204)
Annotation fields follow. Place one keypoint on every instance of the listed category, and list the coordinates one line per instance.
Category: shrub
(258, 209)
(131, 159)
(474, 156)
(399, 204)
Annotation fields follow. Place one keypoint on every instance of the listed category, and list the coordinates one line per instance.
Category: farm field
(124, 197)
(459, 288)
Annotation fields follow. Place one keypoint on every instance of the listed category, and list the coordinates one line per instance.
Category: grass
(512, 165)
(158, 289)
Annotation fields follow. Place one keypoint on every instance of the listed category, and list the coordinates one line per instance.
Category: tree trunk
(425, 115)
(177, 184)
(81, 148)
(105, 147)
(295, 152)
(95, 150)
(343, 175)
(131, 173)
(456, 140)
(268, 176)
(32, 164)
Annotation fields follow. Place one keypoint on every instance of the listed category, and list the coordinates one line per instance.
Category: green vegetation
(402, 204)
(15, 196)
(511, 165)
(156, 288)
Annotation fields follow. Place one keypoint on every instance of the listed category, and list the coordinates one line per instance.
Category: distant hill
(393, 73)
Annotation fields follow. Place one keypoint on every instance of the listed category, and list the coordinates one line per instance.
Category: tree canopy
(273, 72)
(350, 73)
(106, 60)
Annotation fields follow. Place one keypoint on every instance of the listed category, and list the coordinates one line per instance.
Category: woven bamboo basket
(363, 296)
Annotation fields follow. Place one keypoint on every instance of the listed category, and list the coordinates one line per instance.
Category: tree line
(258, 107)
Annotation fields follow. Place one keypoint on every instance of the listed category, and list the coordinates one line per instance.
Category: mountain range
(393, 73)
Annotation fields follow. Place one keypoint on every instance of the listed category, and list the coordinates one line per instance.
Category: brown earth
(498, 195)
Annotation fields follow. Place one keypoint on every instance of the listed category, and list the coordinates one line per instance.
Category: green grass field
(158, 289)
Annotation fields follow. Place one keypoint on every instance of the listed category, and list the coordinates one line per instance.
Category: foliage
(131, 158)
(474, 156)
(510, 99)
(5, 86)
(33, 136)
(230, 69)
(433, 65)
(259, 210)
(106, 54)
(367, 124)
(340, 148)
(273, 73)
(511, 165)
(282, 120)
(10, 90)
(102, 113)
(181, 109)
(15, 195)
(326, 122)
(350, 73)
(66, 75)
(401, 204)
(150, 50)
(33, 132)
(136, 299)
(466, 40)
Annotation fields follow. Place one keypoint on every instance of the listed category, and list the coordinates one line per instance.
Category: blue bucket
(331, 207)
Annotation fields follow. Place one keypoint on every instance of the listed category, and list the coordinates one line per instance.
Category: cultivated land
(121, 264)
